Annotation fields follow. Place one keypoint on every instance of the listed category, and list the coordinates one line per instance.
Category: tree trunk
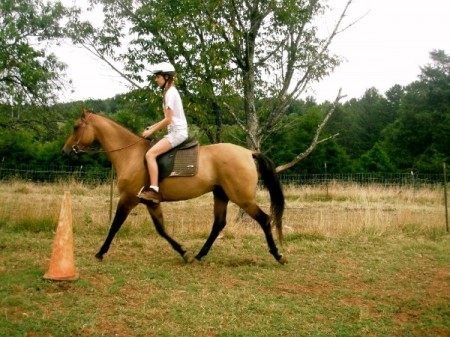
(253, 141)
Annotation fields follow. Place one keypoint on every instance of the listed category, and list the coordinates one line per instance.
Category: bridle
(84, 122)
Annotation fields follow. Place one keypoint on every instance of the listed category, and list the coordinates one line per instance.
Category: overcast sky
(386, 47)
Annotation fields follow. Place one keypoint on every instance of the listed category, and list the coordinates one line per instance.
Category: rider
(174, 120)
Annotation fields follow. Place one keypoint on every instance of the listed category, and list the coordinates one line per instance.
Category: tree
(361, 121)
(28, 73)
(30, 77)
(419, 138)
(315, 139)
(376, 160)
(232, 56)
(302, 133)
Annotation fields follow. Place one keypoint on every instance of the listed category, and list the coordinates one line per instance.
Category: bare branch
(92, 49)
(353, 23)
(241, 124)
(316, 140)
(284, 98)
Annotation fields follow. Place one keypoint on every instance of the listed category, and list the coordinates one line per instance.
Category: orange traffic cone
(62, 266)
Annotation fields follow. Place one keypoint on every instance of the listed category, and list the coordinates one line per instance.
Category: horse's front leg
(122, 211)
(158, 220)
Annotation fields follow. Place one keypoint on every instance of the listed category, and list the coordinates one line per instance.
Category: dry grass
(366, 261)
(339, 211)
(351, 210)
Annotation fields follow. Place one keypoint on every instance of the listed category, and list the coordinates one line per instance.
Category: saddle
(181, 161)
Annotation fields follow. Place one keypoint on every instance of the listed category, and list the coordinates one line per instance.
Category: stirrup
(140, 191)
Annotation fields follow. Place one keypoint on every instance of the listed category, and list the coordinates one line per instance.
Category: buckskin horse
(229, 171)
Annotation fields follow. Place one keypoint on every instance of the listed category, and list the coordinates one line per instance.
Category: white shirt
(173, 101)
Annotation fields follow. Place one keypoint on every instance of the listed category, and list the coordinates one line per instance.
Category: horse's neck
(116, 141)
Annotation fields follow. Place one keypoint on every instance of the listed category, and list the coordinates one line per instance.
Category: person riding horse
(174, 120)
(230, 172)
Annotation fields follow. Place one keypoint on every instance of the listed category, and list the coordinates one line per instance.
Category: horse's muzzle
(68, 150)
(76, 149)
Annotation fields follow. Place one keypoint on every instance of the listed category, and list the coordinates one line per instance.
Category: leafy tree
(16, 147)
(423, 126)
(330, 154)
(430, 161)
(232, 56)
(30, 77)
(300, 123)
(28, 73)
(301, 127)
(436, 77)
(360, 122)
(394, 98)
(376, 160)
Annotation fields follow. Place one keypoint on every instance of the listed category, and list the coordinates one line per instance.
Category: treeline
(405, 129)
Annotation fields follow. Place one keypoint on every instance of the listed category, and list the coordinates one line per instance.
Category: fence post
(445, 197)
(413, 182)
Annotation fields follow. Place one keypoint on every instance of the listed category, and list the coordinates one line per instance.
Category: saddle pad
(185, 164)
(179, 162)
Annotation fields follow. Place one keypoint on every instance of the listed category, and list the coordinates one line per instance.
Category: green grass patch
(357, 266)
(358, 287)
(304, 237)
(32, 225)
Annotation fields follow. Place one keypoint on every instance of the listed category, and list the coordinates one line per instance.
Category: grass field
(370, 261)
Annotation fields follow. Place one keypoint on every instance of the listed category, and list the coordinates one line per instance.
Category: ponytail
(169, 83)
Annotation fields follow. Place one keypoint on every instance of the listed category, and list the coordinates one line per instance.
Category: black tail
(270, 178)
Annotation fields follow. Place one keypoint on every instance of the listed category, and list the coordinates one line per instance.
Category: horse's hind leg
(122, 211)
(158, 220)
(263, 219)
(220, 218)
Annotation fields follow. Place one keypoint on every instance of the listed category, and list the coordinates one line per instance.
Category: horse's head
(82, 134)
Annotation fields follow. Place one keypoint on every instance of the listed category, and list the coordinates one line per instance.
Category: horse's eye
(75, 127)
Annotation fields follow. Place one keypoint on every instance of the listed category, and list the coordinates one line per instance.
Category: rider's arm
(164, 123)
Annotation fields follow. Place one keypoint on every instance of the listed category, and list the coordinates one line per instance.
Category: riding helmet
(164, 68)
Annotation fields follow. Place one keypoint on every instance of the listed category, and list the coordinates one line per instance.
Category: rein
(77, 150)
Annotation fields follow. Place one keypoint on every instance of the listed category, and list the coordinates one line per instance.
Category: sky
(387, 45)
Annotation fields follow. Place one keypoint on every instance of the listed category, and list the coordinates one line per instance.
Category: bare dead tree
(315, 140)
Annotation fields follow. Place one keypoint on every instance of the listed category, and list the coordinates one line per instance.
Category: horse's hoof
(99, 256)
(188, 257)
(282, 260)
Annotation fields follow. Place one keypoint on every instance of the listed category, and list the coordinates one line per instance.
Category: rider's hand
(147, 132)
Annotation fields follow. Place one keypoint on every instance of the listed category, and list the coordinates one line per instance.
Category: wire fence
(98, 175)
(385, 179)
(50, 174)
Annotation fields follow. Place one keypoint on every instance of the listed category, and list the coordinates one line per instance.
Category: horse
(229, 171)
